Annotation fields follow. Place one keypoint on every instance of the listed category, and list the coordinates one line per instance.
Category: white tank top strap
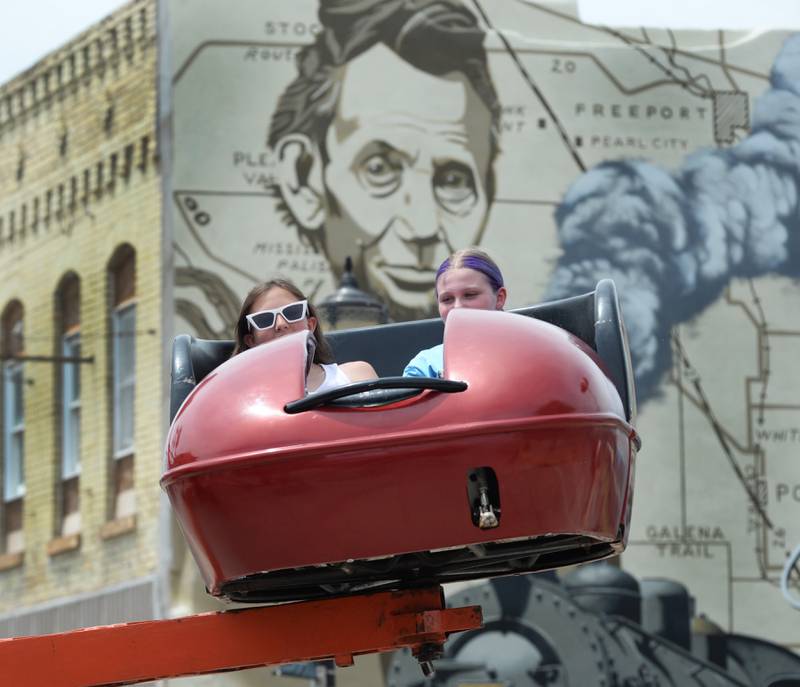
(334, 377)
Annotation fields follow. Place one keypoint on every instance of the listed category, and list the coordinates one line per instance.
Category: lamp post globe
(349, 307)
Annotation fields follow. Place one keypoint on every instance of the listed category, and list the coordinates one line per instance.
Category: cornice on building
(55, 193)
(119, 37)
(56, 207)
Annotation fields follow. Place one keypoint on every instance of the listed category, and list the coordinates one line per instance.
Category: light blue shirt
(426, 363)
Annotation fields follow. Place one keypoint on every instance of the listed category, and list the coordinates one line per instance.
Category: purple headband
(478, 264)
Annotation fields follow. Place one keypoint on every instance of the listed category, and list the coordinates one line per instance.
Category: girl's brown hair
(323, 352)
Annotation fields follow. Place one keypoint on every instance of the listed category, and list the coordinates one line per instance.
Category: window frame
(12, 429)
(70, 406)
(119, 382)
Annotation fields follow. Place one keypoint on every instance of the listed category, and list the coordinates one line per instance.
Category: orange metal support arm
(232, 640)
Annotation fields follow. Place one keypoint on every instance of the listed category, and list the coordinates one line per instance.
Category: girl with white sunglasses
(276, 308)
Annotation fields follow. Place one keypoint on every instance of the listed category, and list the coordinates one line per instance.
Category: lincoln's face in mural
(407, 172)
(386, 140)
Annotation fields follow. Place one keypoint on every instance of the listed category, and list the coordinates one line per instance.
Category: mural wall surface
(396, 131)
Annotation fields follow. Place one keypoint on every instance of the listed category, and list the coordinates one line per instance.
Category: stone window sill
(11, 560)
(60, 545)
(118, 527)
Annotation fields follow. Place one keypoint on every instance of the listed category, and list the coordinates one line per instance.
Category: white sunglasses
(266, 319)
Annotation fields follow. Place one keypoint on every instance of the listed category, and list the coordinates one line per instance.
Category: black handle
(447, 386)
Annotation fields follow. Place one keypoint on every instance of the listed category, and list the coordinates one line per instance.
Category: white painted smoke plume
(673, 241)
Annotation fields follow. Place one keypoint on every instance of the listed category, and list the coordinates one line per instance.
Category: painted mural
(396, 131)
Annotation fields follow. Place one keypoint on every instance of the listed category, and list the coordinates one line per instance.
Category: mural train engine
(596, 627)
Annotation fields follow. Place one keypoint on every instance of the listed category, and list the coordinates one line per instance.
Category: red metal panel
(354, 504)
(256, 489)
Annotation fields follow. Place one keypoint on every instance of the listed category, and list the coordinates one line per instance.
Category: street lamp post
(349, 307)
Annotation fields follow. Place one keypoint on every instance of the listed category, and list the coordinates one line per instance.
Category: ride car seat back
(594, 318)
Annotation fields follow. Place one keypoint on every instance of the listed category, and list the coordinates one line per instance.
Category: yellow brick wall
(104, 106)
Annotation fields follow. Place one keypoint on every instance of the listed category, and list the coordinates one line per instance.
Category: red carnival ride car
(520, 459)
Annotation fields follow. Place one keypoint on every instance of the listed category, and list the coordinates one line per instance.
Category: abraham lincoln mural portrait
(382, 147)
(385, 141)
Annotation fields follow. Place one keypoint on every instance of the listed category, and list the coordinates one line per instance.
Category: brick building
(81, 333)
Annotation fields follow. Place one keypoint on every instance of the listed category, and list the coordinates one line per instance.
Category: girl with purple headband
(469, 278)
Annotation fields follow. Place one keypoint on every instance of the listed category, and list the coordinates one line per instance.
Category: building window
(68, 514)
(123, 381)
(14, 431)
(13, 418)
(123, 321)
(71, 407)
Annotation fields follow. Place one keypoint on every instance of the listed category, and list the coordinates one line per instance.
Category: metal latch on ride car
(486, 515)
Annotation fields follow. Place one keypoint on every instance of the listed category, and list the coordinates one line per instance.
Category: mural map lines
(525, 75)
(771, 496)
(762, 438)
(764, 351)
(730, 104)
(671, 51)
(690, 83)
(689, 55)
(621, 87)
(701, 400)
(224, 44)
(723, 60)
(188, 205)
